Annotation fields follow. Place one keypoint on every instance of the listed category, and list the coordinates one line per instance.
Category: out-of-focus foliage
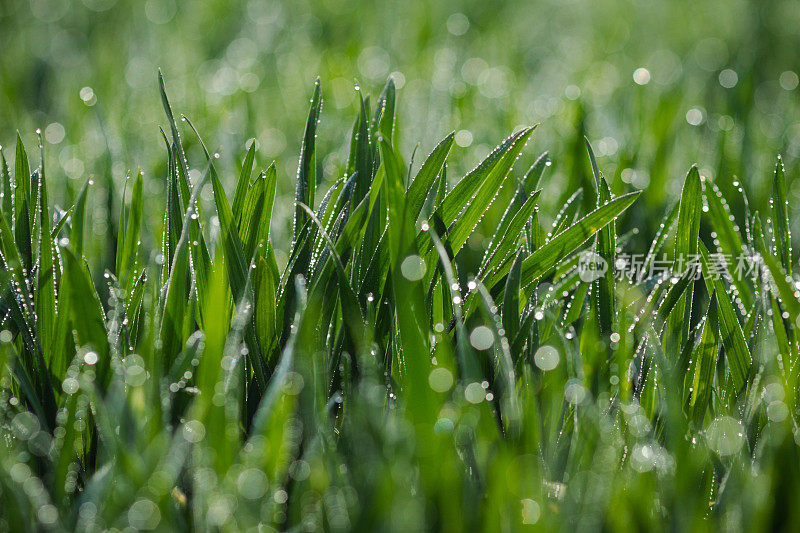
(382, 379)
(396, 330)
(719, 82)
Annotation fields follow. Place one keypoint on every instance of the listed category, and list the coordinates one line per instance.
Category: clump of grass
(373, 382)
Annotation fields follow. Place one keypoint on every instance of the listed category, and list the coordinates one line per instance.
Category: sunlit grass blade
(728, 237)
(82, 307)
(780, 217)
(606, 245)
(704, 362)
(384, 119)
(461, 195)
(7, 189)
(243, 183)
(463, 226)
(181, 165)
(660, 238)
(686, 239)
(737, 352)
(545, 258)
(783, 282)
(511, 318)
(426, 177)
(45, 296)
(306, 171)
(505, 238)
(411, 320)
(566, 215)
(23, 205)
(128, 252)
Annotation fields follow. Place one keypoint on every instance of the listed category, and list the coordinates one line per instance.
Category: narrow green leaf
(545, 258)
(22, 205)
(7, 189)
(86, 312)
(780, 216)
(419, 188)
(505, 238)
(705, 363)
(736, 351)
(78, 216)
(730, 242)
(686, 240)
(128, 254)
(45, 295)
(511, 317)
(463, 226)
(306, 175)
(181, 166)
(243, 184)
(606, 245)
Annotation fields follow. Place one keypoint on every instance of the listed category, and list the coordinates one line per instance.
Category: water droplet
(474, 393)
(546, 358)
(481, 338)
(440, 379)
(725, 435)
(413, 268)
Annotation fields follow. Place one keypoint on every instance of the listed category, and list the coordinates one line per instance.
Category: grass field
(543, 277)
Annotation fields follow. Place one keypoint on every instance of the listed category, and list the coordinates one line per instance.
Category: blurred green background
(655, 86)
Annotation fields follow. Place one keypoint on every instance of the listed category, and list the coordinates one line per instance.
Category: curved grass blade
(686, 239)
(736, 351)
(705, 363)
(22, 205)
(306, 172)
(127, 254)
(780, 216)
(730, 242)
(566, 215)
(606, 245)
(658, 241)
(463, 226)
(545, 258)
(243, 184)
(421, 184)
(7, 203)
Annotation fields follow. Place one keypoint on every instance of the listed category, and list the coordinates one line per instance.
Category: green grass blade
(780, 216)
(7, 189)
(467, 221)
(384, 119)
(243, 183)
(566, 215)
(252, 214)
(736, 351)
(545, 258)
(730, 242)
(457, 199)
(78, 221)
(606, 245)
(411, 317)
(705, 363)
(660, 238)
(86, 313)
(686, 239)
(306, 172)
(511, 318)
(420, 186)
(45, 294)
(22, 205)
(505, 238)
(128, 253)
(181, 166)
